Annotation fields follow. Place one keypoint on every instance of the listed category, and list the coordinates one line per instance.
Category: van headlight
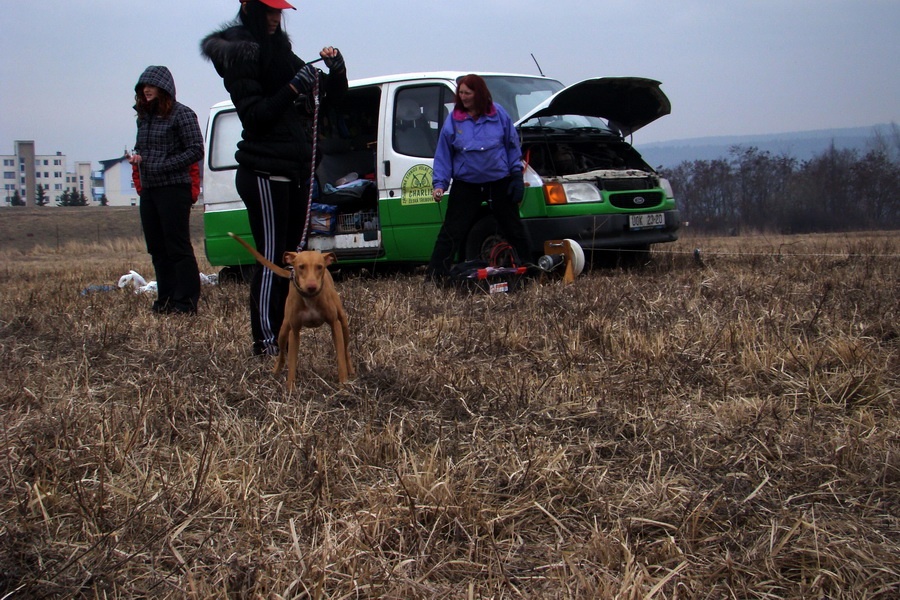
(667, 188)
(556, 193)
(582, 192)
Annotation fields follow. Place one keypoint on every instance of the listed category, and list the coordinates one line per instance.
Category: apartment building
(118, 185)
(81, 179)
(25, 170)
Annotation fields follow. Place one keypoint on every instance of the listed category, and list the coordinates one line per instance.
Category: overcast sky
(730, 67)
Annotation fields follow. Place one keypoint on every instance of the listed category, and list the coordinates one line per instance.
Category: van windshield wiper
(539, 128)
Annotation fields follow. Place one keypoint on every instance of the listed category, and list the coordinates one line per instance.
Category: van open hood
(628, 103)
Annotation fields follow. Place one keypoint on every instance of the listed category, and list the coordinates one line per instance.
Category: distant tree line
(69, 197)
(839, 190)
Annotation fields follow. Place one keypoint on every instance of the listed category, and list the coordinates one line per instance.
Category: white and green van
(584, 180)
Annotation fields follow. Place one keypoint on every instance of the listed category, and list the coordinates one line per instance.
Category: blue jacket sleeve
(513, 149)
(443, 157)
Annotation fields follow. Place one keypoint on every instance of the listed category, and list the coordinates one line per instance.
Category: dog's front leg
(345, 329)
(293, 351)
(283, 334)
(340, 349)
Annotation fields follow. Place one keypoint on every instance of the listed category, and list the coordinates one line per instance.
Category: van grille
(636, 200)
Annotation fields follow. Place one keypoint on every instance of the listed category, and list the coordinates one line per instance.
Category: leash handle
(312, 168)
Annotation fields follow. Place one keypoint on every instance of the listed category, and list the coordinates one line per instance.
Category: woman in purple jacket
(478, 150)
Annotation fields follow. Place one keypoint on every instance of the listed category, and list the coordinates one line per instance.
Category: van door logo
(415, 188)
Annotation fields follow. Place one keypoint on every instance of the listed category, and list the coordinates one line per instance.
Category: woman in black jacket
(272, 90)
(168, 144)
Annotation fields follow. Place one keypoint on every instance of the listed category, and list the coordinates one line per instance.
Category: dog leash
(312, 169)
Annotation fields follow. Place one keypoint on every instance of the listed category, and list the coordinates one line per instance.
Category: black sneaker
(183, 308)
(161, 308)
(438, 280)
(169, 308)
(259, 350)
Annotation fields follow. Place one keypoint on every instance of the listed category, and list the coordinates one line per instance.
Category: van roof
(425, 75)
(448, 75)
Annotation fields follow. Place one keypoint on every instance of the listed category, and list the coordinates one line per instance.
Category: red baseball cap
(279, 4)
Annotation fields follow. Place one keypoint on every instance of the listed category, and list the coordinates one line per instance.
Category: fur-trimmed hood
(228, 46)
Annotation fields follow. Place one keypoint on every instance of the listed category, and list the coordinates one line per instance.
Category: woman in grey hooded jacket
(168, 143)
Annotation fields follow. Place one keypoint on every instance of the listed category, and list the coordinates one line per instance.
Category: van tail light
(554, 194)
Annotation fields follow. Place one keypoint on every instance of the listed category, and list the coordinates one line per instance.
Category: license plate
(647, 221)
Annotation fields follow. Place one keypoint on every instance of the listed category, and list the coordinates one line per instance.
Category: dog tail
(282, 272)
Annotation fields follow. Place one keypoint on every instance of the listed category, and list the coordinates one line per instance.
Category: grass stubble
(721, 427)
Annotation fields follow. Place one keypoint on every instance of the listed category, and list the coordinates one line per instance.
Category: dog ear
(330, 258)
(288, 257)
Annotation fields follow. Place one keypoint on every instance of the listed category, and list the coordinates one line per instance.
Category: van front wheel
(483, 238)
(237, 273)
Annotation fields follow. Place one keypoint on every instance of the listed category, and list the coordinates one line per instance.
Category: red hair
(483, 103)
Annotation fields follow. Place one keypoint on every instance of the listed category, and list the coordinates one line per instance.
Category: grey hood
(158, 76)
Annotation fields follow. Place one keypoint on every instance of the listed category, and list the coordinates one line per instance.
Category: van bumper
(600, 231)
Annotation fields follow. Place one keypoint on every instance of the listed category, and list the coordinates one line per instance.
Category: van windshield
(570, 124)
(519, 95)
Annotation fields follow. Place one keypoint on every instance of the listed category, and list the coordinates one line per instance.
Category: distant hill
(801, 145)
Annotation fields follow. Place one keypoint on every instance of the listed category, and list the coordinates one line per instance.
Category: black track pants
(277, 212)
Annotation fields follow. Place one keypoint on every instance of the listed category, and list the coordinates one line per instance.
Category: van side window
(225, 133)
(419, 113)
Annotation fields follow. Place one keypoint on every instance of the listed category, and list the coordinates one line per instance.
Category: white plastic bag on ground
(132, 277)
(142, 286)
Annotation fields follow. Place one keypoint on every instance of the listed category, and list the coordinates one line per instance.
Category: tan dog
(311, 302)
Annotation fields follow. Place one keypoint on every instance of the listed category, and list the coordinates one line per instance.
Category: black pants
(166, 220)
(277, 213)
(463, 208)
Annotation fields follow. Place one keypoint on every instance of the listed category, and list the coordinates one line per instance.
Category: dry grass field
(52, 228)
(723, 428)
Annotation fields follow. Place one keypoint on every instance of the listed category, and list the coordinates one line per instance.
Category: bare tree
(838, 190)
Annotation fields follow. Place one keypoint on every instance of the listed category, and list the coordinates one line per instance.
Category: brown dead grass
(22, 228)
(692, 429)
